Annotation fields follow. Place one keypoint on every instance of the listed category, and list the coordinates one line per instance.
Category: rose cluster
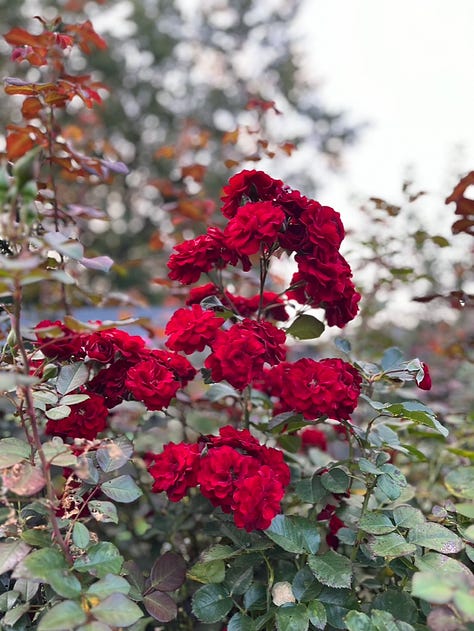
(329, 387)
(267, 217)
(121, 367)
(233, 470)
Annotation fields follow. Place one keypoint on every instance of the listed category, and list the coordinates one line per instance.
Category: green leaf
(408, 516)
(460, 482)
(110, 584)
(442, 564)
(218, 391)
(435, 537)
(240, 622)
(57, 453)
(306, 327)
(310, 490)
(387, 485)
(429, 587)
(168, 572)
(331, 569)
(41, 563)
(376, 523)
(59, 412)
(12, 616)
(74, 399)
(464, 602)
(211, 603)
(11, 554)
(418, 413)
(391, 545)
(161, 606)
(292, 618)
(219, 551)
(12, 451)
(392, 358)
(117, 610)
(71, 377)
(466, 509)
(368, 467)
(121, 489)
(208, 572)
(358, 621)
(335, 480)
(101, 559)
(67, 615)
(343, 345)
(80, 535)
(104, 512)
(113, 455)
(11, 380)
(240, 574)
(398, 603)
(255, 598)
(294, 534)
(305, 586)
(317, 614)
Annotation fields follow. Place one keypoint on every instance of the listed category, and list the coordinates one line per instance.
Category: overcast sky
(405, 68)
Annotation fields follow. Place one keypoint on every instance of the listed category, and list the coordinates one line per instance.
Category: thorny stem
(30, 408)
(360, 533)
(246, 406)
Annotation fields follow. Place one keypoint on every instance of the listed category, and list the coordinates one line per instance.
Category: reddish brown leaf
(464, 205)
(167, 152)
(230, 137)
(231, 163)
(196, 171)
(31, 107)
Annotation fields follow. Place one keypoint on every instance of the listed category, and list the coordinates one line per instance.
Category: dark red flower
(425, 383)
(175, 470)
(313, 437)
(237, 356)
(110, 382)
(248, 186)
(150, 382)
(254, 225)
(205, 252)
(220, 470)
(182, 369)
(257, 500)
(67, 346)
(330, 387)
(272, 339)
(197, 294)
(86, 420)
(100, 346)
(192, 329)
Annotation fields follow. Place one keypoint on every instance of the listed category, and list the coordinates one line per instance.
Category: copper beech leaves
(464, 205)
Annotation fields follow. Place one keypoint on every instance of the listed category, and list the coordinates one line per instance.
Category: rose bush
(224, 462)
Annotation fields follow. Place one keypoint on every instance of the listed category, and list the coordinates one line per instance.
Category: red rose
(68, 346)
(251, 186)
(150, 382)
(272, 339)
(192, 329)
(197, 294)
(220, 469)
(175, 470)
(312, 437)
(237, 356)
(330, 387)
(100, 346)
(205, 252)
(110, 382)
(425, 383)
(257, 500)
(86, 420)
(181, 367)
(254, 225)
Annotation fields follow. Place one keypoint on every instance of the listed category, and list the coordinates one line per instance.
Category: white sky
(406, 68)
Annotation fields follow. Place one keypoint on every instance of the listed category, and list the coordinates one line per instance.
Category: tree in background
(181, 75)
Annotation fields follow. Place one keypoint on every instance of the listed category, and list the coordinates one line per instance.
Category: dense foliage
(221, 474)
